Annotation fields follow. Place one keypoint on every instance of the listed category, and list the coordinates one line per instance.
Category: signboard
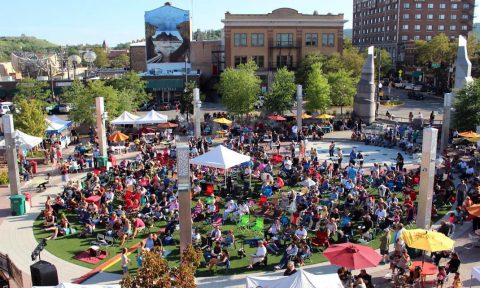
(167, 34)
(436, 65)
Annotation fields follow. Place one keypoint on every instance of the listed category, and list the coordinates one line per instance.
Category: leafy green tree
(30, 88)
(342, 88)
(306, 66)
(352, 61)
(133, 84)
(385, 62)
(186, 99)
(239, 88)
(467, 107)
(121, 61)
(30, 118)
(102, 60)
(110, 95)
(280, 98)
(317, 90)
(332, 63)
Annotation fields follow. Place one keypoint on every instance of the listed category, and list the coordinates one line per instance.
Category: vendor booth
(23, 141)
(125, 118)
(58, 130)
(301, 279)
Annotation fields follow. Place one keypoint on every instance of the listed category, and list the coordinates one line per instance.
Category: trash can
(101, 161)
(33, 163)
(17, 204)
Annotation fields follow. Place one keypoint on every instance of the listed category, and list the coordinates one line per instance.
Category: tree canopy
(30, 88)
(30, 118)
(281, 96)
(102, 60)
(385, 62)
(186, 99)
(23, 43)
(131, 82)
(239, 88)
(343, 87)
(467, 107)
(317, 90)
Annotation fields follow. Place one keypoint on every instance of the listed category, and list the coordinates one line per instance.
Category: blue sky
(115, 21)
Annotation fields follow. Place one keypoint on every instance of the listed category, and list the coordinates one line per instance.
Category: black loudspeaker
(43, 274)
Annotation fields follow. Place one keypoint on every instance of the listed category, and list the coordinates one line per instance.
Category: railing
(11, 269)
(403, 120)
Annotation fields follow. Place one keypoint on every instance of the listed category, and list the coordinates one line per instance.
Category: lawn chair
(259, 225)
(244, 222)
(321, 240)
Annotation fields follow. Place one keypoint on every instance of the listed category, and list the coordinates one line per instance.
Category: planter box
(40, 161)
(4, 185)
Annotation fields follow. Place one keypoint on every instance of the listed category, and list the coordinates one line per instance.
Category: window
(465, 17)
(453, 17)
(311, 39)
(258, 39)
(240, 60)
(430, 5)
(406, 5)
(240, 39)
(328, 40)
(441, 17)
(430, 16)
(454, 6)
(418, 16)
(464, 27)
(453, 27)
(441, 28)
(443, 5)
(429, 27)
(417, 27)
(259, 60)
(284, 60)
(285, 39)
(405, 26)
(466, 6)
(418, 5)
(406, 16)
(416, 37)
(428, 37)
(404, 38)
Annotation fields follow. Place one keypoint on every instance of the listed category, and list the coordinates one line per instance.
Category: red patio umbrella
(145, 130)
(277, 118)
(167, 125)
(352, 256)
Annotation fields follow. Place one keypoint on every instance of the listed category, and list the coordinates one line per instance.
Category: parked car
(415, 95)
(409, 86)
(59, 109)
(400, 84)
(6, 108)
(165, 106)
(417, 87)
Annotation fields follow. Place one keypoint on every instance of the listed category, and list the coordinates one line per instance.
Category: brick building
(138, 57)
(393, 24)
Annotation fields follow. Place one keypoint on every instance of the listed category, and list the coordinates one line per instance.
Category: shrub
(4, 177)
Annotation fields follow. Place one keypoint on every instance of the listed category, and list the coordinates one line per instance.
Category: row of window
(430, 27)
(283, 39)
(440, 16)
(432, 6)
(282, 60)
(394, 38)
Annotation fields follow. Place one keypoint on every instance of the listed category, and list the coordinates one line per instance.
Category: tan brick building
(138, 57)
(281, 38)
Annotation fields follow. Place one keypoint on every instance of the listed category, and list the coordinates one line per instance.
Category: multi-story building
(392, 24)
(281, 38)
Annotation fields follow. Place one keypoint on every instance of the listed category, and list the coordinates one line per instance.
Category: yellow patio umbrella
(306, 116)
(427, 240)
(222, 121)
(325, 116)
(118, 137)
(474, 139)
(469, 134)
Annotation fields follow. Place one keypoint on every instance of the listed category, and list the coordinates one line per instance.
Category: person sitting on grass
(290, 269)
(138, 225)
(290, 253)
(87, 230)
(229, 239)
(259, 255)
(221, 260)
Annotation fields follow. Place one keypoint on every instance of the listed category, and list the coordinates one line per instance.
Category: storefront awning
(166, 85)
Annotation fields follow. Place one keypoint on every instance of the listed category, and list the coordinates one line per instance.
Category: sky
(117, 21)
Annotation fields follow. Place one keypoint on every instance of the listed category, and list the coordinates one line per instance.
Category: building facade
(392, 24)
(281, 38)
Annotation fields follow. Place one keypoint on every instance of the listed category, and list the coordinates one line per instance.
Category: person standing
(385, 245)
(461, 192)
(340, 157)
(400, 162)
(331, 149)
(125, 262)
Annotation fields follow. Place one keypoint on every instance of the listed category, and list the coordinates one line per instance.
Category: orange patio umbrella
(118, 137)
(469, 134)
(474, 210)
(167, 125)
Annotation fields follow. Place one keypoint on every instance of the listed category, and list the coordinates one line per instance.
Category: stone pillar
(447, 109)
(427, 174)
(364, 102)
(299, 107)
(101, 130)
(463, 68)
(184, 201)
(11, 154)
(197, 105)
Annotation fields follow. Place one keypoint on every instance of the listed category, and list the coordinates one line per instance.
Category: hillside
(24, 43)
(347, 33)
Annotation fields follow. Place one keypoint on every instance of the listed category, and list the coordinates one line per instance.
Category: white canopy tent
(152, 117)
(220, 157)
(125, 118)
(69, 285)
(301, 279)
(475, 274)
(56, 125)
(24, 141)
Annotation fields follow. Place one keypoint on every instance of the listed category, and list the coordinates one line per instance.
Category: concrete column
(447, 109)
(427, 174)
(184, 201)
(197, 105)
(364, 105)
(299, 107)
(11, 154)
(101, 130)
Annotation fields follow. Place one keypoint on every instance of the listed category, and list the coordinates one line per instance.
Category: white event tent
(125, 119)
(301, 279)
(24, 141)
(56, 125)
(220, 157)
(152, 117)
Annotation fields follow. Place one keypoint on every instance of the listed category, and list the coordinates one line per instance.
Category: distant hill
(476, 29)
(23, 43)
(347, 33)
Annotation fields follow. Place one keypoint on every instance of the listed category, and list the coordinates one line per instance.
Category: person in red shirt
(138, 225)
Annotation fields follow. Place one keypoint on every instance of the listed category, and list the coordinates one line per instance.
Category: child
(457, 282)
(442, 274)
(125, 262)
(384, 245)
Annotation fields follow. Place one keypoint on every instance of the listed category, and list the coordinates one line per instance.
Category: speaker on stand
(43, 274)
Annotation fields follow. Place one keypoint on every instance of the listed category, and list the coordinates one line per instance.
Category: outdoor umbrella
(167, 125)
(222, 121)
(325, 116)
(146, 130)
(474, 139)
(469, 134)
(277, 118)
(352, 256)
(474, 210)
(426, 240)
(308, 183)
(118, 137)
(306, 116)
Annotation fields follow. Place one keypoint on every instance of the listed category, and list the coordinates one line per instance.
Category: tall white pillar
(101, 130)
(299, 107)
(11, 154)
(447, 109)
(184, 201)
(197, 105)
(427, 174)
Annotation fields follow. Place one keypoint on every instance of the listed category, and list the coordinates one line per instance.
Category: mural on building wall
(167, 34)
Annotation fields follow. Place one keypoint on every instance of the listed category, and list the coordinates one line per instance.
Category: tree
(342, 88)
(353, 61)
(30, 118)
(306, 66)
(317, 90)
(467, 107)
(239, 88)
(186, 99)
(156, 273)
(102, 60)
(132, 83)
(280, 98)
(121, 61)
(385, 62)
(30, 88)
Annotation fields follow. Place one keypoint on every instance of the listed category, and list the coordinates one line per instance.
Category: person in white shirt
(258, 256)
(381, 213)
(109, 195)
(241, 210)
(287, 164)
(301, 233)
(382, 189)
(231, 207)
